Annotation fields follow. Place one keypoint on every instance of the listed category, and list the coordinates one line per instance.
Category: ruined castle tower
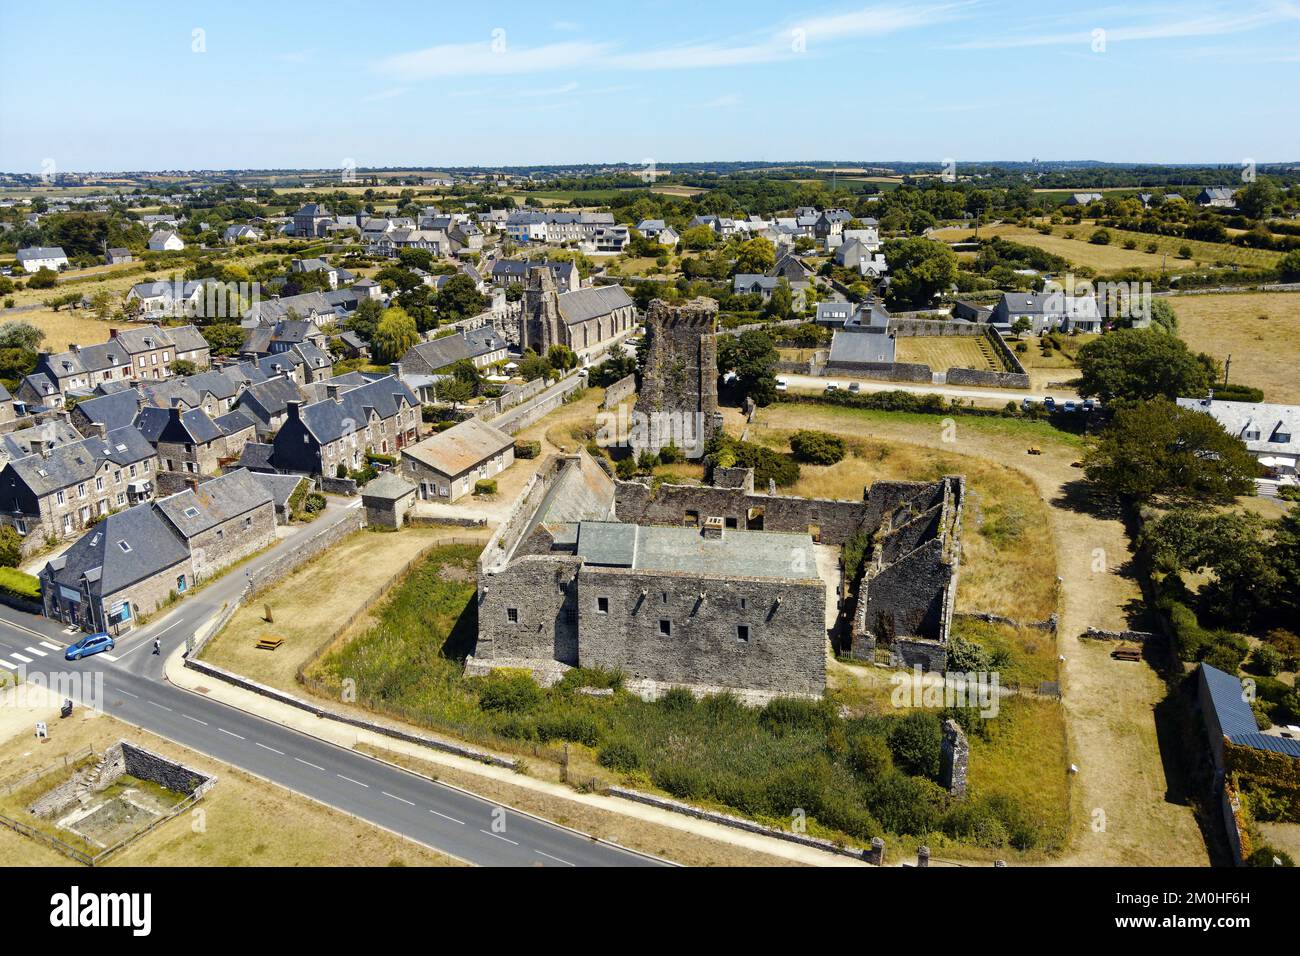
(678, 400)
(540, 324)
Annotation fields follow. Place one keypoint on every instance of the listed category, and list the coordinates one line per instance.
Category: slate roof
(193, 511)
(330, 420)
(848, 346)
(266, 399)
(256, 456)
(583, 304)
(1039, 303)
(233, 422)
(176, 425)
(753, 554)
(18, 444)
(125, 547)
(435, 355)
(41, 252)
(90, 358)
(1263, 426)
(115, 410)
(460, 447)
(279, 487)
(69, 464)
(1236, 719)
(389, 486)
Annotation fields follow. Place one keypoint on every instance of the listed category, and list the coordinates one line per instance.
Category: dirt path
(1120, 813)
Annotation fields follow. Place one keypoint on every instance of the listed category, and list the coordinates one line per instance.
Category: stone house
(382, 416)
(56, 492)
(447, 465)
(387, 499)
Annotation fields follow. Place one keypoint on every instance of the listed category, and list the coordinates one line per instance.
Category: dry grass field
(311, 604)
(1261, 331)
(66, 326)
(245, 821)
(948, 351)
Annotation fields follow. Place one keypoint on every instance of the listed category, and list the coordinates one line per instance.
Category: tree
(395, 335)
(365, 320)
(920, 269)
(1022, 325)
(818, 448)
(43, 279)
(16, 334)
(224, 339)
(459, 299)
(1289, 266)
(1259, 198)
(184, 367)
(755, 257)
(1137, 364)
(561, 357)
(533, 366)
(1158, 450)
(1163, 316)
(454, 390)
(698, 237)
(781, 304)
(753, 357)
(1100, 238)
(11, 547)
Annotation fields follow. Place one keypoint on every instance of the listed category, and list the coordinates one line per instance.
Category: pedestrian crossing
(11, 659)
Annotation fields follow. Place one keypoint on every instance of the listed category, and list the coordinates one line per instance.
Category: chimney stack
(38, 447)
(292, 409)
(193, 484)
(112, 333)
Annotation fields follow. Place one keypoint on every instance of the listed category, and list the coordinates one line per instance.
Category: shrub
(314, 503)
(1100, 238)
(569, 724)
(869, 755)
(785, 715)
(818, 448)
(20, 584)
(528, 449)
(511, 693)
(619, 755)
(670, 454)
(1264, 855)
(11, 547)
(485, 486)
(1266, 660)
(916, 741)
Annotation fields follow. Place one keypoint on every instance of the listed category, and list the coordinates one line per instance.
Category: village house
(446, 465)
(36, 258)
(165, 240)
(54, 493)
(1047, 312)
(311, 220)
(118, 256)
(1271, 432)
(190, 443)
(380, 417)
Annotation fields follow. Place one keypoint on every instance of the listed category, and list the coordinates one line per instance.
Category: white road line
(128, 694)
(156, 704)
(108, 657)
(195, 719)
(445, 817)
(272, 749)
(5, 663)
(53, 647)
(310, 764)
(35, 650)
(18, 657)
(498, 836)
(231, 732)
(395, 797)
(350, 780)
(555, 858)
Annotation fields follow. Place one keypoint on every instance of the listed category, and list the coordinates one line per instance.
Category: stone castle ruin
(678, 400)
(714, 586)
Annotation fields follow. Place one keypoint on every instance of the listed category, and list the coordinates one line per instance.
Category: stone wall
(303, 548)
(540, 593)
(519, 419)
(680, 377)
(918, 328)
(232, 540)
(986, 378)
(619, 392)
(885, 371)
(147, 765)
(954, 756)
(785, 649)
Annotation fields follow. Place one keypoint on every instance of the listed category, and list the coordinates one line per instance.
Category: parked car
(782, 385)
(831, 387)
(1089, 405)
(1050, 403)
(1027, 403)
(855, 387)
(90, 644)
(1070, 407)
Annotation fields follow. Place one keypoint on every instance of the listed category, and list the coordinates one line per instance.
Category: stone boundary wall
(986, 378)
(516, 422)
(433, 521)
(338, 486)
(764, 326)
(1230, 804)
(619, 392)
(301, 552)
(509, 531)
(221, 674)
(873, 855)
(885, 371)
(1136, 637)
(987, 618)
(918, 328)
(1000, 346)
(123, 757)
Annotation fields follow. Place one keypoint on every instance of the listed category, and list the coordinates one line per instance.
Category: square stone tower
(678, 400)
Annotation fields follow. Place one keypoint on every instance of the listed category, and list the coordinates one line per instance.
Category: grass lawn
(942, 352)
(244, 821)
(68, 326)
(313, 603)
(1260, 330)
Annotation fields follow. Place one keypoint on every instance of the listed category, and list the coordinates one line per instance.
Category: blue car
(90, 644)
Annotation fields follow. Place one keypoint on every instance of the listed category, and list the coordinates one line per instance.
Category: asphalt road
(449, 820)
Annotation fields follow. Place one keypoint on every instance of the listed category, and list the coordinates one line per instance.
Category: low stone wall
(221, 674)
(434, 521)
(619, 392)
(147, 765)
(987, 379)
(1132, 637)
(338, 486)
(518, 420)
(300, 552)
(885, 371)
(917, 328)
(874, 855)
(1047, 625)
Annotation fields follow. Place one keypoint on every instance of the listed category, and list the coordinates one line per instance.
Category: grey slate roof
(69, 464)
(41, 252)
(755, 554)
(1236, 719)
(193, 511)
(18, 444)
(390, 486)
(279, 487)
(847, 346)
(126, 547)
(176, 425)
(330, 420)
(583, 304)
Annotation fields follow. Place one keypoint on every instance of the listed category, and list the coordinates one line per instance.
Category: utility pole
(1227, 364)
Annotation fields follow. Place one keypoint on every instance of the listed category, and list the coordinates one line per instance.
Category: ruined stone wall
(986, 378)
(906, 598)
(884, 371)
(619, 392)
(542, 593)
(785, 650)
(146, 765)
(681, 367)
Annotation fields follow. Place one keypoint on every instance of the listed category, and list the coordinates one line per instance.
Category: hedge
(20, 584)
(528, 449)
(485, 486)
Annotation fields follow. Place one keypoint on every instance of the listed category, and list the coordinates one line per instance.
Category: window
(99, 483)
(665, 627)
(664, 597)
(742, 632)
(58, 496)
(191, 512)
(248, 521)
(180, 584)
(126, 548)
(691, 519)
(512, 615)
(744, 603)
(81, 490)
(602, 605)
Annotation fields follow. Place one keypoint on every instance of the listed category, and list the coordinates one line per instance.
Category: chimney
(112, 333)
(38, 447)
(292, 409)
(332, 391)
(193, 484)
(713, 527)
(74, 348)
(396, 369)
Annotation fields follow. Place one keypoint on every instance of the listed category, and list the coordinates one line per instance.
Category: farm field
(942, 352)
(67, 326)
(1260, 330)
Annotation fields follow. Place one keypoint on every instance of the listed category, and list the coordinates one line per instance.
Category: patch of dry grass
(942, 352)
(1260, 330)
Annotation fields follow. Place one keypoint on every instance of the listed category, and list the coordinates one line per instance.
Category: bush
(485, 486)
(818, 448)
(510, 693)
(619, 755)
(19, 584)
(916, 741)
(1266, 660)
(11, 547)
(569, 724)
(314, 503)
(870, 756)
(528, 449)
(785, 715)
(1264, 855)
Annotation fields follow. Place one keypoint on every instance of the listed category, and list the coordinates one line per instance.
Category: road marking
(231, 732)
(395, 797)
(498, 836)
(445, 817)
(28, 629)
(156, 704)
(350, 780)
(272, 749)
(129, 694)
(53, 647)
(35, 650)
(108, 657)
(18, 657)
(555, 858)
(5, 663)
(195, 719)
(310, 764)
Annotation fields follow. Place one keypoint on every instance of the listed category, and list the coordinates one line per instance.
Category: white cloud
(478, 59)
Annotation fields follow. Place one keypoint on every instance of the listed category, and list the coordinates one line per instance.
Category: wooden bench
(1127, 652)
(269, 643)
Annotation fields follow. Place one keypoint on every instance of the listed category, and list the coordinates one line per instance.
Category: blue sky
(288, 84)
